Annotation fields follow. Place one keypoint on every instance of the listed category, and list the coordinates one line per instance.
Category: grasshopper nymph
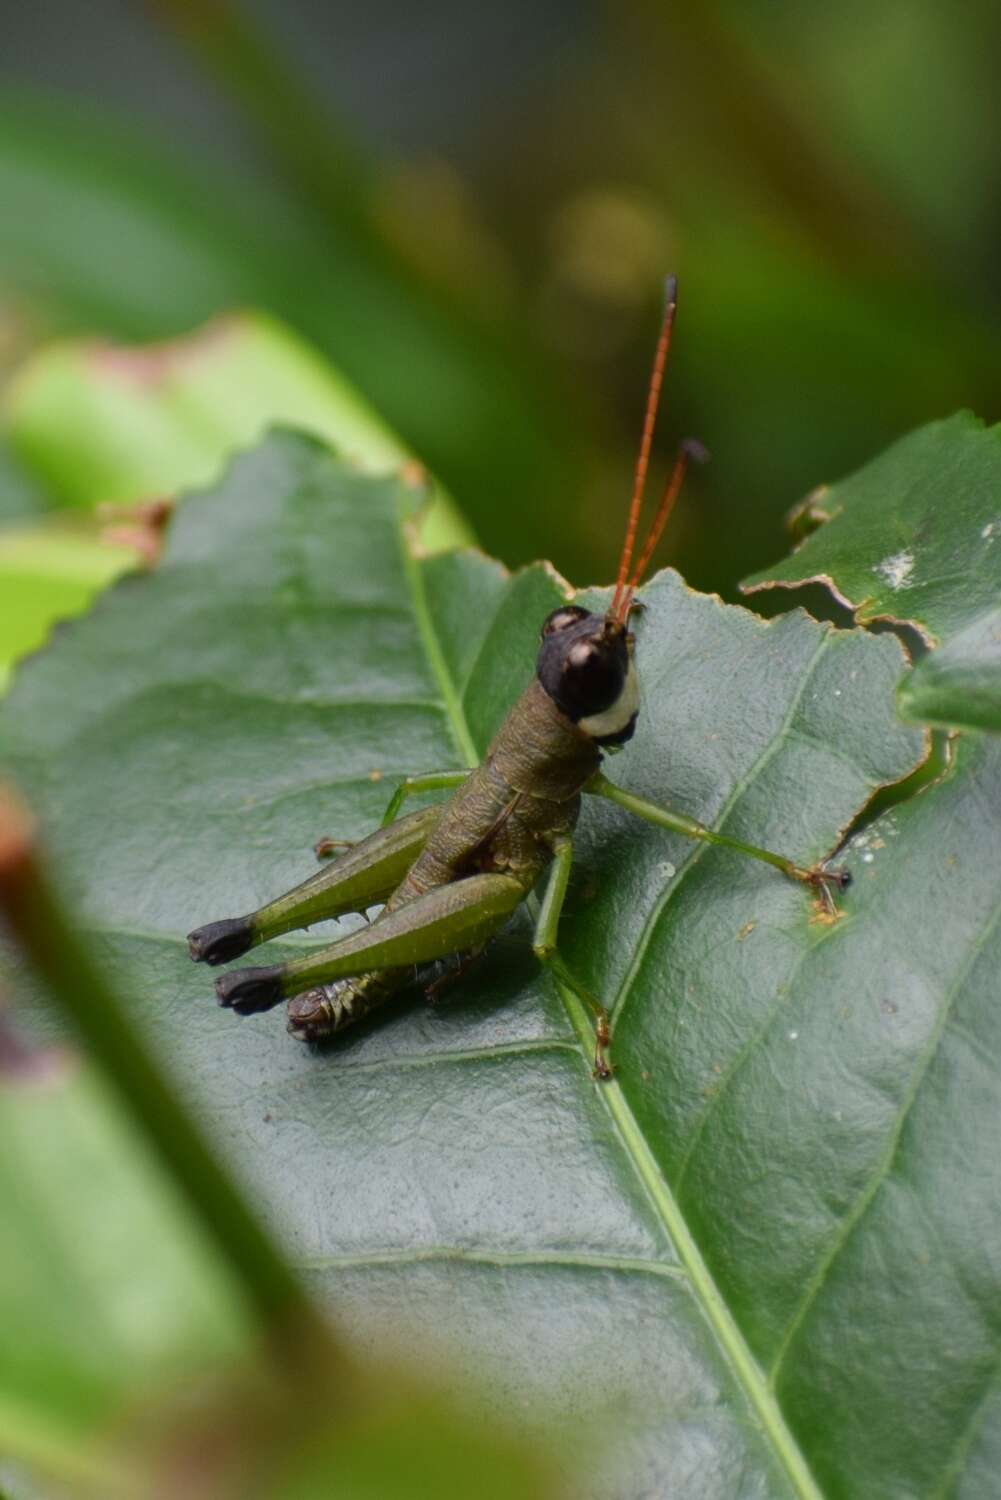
(451, 875)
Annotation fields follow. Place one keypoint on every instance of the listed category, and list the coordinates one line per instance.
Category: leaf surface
(713, 1263)
(101, 1308)
(960, 683)
(915, 537)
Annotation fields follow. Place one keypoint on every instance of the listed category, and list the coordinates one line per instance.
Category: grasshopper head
(586, 666)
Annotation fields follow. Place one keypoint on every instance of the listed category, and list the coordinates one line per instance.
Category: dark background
(470, 209)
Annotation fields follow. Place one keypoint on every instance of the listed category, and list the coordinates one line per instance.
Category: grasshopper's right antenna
(628, 577)
(646, 441)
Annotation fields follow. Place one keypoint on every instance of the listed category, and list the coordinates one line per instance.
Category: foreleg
(430, 781)
(544, 947)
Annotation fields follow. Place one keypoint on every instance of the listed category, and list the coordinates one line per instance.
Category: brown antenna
(691, 449)
(649, 423)
(626, 582)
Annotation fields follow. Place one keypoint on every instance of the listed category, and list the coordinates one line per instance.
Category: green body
(448, 878)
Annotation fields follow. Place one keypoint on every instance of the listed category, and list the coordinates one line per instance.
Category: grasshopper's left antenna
(627, 581)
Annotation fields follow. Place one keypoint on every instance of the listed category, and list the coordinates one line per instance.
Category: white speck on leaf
(988, 531)
(793, 1035)
(897, 569)
(666, 869)
(868, 856)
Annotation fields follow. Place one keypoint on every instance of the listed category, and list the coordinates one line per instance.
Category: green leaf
(915, 537)
(960, 683)
(115, 1309)
(109, 1294)
(99, 422)
(47, 574)
(758, 1262)
(104, 422)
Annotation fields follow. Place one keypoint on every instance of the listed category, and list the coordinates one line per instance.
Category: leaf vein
(660, 906)
(436, 657)
(954, 1465)
(884, 1166)
(500, 1259)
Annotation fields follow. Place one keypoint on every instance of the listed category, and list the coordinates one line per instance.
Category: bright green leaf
(100, 422)
(792, 1175)
(47, 574)
(105, 423)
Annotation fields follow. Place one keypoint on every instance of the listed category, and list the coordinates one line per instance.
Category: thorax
(526, 794)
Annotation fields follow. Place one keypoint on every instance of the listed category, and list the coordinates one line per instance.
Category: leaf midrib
(746, 1370)
(436, 657)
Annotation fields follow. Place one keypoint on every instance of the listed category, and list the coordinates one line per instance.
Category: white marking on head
(614, 719)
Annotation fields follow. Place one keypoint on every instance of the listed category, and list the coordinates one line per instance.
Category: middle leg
(544, 948)
(816, 876)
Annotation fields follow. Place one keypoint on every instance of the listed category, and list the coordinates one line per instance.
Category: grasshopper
(449, 876)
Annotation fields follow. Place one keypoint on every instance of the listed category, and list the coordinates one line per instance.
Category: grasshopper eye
(593, 677)
(583, 665)
(562, 618)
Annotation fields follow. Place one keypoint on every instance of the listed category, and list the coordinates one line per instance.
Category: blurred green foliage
(103, 427)
(485, 267)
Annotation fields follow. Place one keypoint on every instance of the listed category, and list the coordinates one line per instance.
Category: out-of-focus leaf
(128, 1353)
(109, 1296)
(915, 537)
(106, 230)
(106, 423)
(100, 422)
(797, 1100)
(16, 1483)
(20, 498)
(49, 573)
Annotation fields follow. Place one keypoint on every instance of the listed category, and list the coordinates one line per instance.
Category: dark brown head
(586, 666)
